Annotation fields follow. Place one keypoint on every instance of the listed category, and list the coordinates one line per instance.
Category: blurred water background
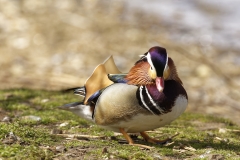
(56, 44)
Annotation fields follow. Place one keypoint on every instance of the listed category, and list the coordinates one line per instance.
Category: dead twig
(79, 136)
(175, 135)
(233, 130)
(159, 132)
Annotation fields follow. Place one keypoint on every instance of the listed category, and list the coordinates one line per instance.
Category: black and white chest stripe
(147, 102)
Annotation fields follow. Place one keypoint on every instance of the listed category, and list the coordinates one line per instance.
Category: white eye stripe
(150, 61)
(166, 65)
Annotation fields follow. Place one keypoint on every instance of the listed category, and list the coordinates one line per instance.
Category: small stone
(63, 124)
(222, 130)
(60, 149)
(44, 100)
(6, 119)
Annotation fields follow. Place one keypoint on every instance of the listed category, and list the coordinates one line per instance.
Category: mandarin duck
(150, 96)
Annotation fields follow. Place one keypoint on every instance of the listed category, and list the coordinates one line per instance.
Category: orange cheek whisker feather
(138, 75)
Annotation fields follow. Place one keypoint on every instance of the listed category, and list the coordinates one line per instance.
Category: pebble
(63, 124)
(44, 100)
(222, 130)
(60, 148)
(6, 119)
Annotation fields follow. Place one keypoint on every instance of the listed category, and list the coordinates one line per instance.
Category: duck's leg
(130, 141)
(155, 141)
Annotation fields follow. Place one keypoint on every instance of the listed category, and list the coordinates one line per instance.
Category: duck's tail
(78, 108)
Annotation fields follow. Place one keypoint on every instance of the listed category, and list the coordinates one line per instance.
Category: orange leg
(130, 141)
(155, 141)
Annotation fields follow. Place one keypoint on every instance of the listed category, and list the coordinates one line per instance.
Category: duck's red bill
(160, 83)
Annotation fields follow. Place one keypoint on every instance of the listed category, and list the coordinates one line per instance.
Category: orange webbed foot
(156, 141)
(131, 142)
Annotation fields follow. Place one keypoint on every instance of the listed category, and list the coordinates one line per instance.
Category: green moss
(37, 142)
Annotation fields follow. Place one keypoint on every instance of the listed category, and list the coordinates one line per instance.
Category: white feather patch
(143, 102)
(152, 101)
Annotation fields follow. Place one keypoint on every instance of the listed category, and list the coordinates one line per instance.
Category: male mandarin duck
(150, 96)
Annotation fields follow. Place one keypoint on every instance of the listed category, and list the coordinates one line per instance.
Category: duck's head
(153, 67)
(158, 59)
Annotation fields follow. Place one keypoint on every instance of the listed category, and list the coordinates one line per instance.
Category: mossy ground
(201, 136)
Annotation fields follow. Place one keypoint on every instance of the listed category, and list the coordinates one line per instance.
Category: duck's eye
(151, 68)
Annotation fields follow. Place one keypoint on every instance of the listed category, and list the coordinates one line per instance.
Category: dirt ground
(54, 45)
